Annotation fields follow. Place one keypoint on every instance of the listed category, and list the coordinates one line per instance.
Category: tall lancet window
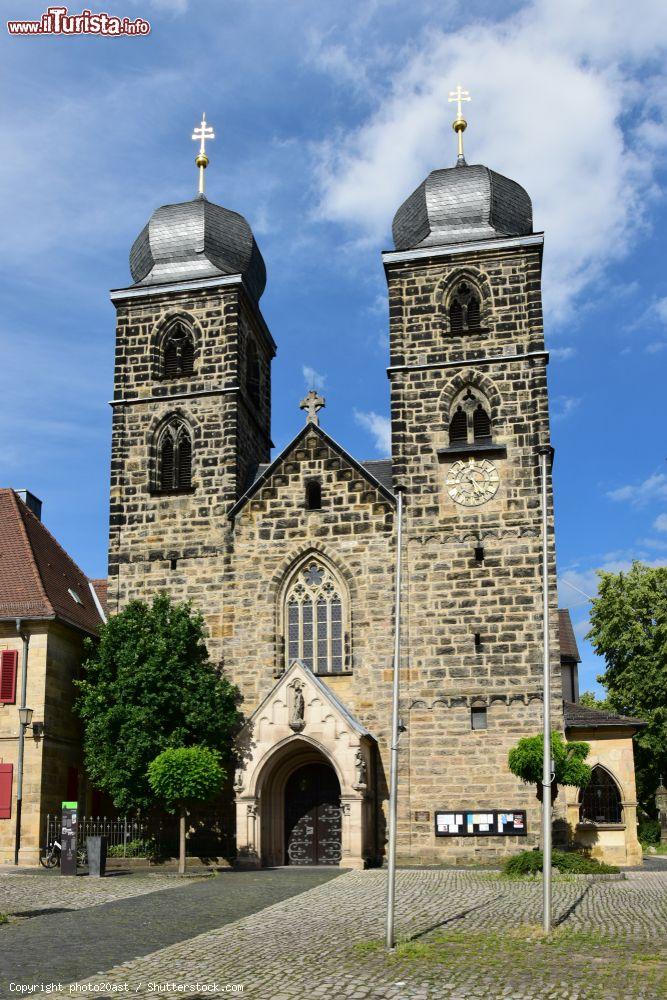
(314, 620)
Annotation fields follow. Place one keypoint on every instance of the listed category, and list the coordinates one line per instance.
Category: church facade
(292, 561)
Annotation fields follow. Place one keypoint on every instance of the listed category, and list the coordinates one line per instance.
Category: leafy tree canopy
(525, 760)
(181, 776)
(629, 628)
(149, 685)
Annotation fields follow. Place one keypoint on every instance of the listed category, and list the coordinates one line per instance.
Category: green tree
(148, 685)
(629, 629)
(591, 700)
(525, 760)
(182, 776)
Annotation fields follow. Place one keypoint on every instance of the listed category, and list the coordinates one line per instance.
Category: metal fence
(141, 836)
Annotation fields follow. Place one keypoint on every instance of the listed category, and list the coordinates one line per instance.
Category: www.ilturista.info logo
(58, 21)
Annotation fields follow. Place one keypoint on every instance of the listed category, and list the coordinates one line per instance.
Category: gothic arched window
(174, 458)
(252, 372)
(178, 352)
(465, 314)
(600, 800)
(314, 619)
(470, 422)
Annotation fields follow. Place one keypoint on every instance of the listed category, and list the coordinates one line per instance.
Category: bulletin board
(480, 823)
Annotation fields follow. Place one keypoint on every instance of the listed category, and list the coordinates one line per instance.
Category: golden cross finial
(460, 124)
(202, 132)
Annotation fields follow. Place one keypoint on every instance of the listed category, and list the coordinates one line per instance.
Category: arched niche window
(313, 495)
(178, 352)
(174, 458)
(464, 308)
(314, 616)
(252, 372)
(470, 422)
(600, 801)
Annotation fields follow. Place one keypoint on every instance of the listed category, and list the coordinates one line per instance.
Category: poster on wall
(486, 823)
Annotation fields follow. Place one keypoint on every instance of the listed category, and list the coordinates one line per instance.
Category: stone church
(292, 560)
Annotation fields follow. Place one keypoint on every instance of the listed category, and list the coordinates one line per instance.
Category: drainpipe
(545, 453)
(25, 636)
(395, 730)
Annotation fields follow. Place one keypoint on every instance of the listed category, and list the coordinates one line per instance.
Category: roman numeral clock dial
(472, 483)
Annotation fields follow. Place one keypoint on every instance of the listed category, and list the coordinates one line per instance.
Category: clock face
(472, 483)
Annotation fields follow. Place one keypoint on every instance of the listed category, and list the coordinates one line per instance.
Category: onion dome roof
(196, 239)
(460, 204)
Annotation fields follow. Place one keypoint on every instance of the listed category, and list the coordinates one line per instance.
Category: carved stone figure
(362, 768)
(297, 715)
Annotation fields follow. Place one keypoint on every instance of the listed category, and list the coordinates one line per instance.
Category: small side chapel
(292, 560)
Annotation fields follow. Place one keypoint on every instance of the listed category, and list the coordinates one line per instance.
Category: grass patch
(4, 919)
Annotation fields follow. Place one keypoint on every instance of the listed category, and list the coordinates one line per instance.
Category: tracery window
(470, 422)
(314, 620)
(600, 801)
(178, 352)
(174, 457)
(464, 309)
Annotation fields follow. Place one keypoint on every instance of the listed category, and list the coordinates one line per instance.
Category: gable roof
(378, 473)
(37, 577)
(579, 716)
(567, 640)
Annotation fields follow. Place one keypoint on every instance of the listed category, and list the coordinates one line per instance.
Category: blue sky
(327, 115)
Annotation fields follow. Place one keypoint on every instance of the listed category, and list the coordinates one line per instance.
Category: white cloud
(549, 86)
(660, 523)
(562, 353)
(378, 426)
(656, 346)
(313, 379)
(653, 488)
(563, 406)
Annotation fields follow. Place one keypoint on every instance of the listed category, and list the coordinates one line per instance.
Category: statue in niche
(362, 769)
(297, 720)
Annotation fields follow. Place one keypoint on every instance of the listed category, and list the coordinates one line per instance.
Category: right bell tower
(469, 414)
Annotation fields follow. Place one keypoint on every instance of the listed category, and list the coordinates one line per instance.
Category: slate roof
(460, 204)
(580, 717)
(36, 574)
(566, 636)
(196, 239)
(378, 472)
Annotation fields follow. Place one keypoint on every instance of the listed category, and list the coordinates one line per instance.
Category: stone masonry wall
(448, 594)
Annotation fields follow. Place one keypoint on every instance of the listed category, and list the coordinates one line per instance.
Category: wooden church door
(313, 816)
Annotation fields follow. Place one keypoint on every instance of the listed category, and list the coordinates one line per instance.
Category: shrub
(133, 849)
(567, 862)
(649, 831)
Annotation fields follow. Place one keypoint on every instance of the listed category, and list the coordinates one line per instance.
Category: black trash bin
(97, 856)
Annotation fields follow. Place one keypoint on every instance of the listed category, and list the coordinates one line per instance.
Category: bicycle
(52, 854)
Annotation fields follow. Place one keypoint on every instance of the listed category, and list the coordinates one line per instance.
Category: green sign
(70, 805)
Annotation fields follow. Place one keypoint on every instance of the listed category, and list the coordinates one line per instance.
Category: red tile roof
(37, 577)
(101, 588)
(568, 643)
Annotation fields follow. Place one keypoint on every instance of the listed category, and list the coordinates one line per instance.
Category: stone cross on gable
(312, 403)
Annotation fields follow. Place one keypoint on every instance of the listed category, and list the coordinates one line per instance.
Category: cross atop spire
(312, 403)
(459, 124)
(202, 132)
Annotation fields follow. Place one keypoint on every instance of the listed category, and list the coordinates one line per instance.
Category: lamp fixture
(25, 716)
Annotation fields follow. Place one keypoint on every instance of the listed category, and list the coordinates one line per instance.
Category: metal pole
(544, 452)
(393, 780)
(19, 764)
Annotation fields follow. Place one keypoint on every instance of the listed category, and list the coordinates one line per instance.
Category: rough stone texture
(467, 935)
(448, 595)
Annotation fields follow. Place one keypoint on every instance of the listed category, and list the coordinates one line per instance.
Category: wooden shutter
(456, 317)
(458, 428)
(171, 358)
(184, 462)
(187, 356)
(6, 775)
(167, 463)
(474, 318)
(8, 663)
(481, 424)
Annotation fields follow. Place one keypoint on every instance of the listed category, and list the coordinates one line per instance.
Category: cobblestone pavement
(464, 935)
(80, 926)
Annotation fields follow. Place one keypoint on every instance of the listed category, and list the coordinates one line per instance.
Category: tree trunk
(181, 843)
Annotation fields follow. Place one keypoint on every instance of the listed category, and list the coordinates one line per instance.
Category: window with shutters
(600, 800)
(470, 421)
(314, 619)
(464, 308)
(6, 776)
(174, 458)
(8, 669)
(178, 352)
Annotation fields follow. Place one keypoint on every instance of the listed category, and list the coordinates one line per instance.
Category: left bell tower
(192, 401)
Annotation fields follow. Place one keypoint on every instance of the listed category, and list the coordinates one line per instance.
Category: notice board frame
(494, 832)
